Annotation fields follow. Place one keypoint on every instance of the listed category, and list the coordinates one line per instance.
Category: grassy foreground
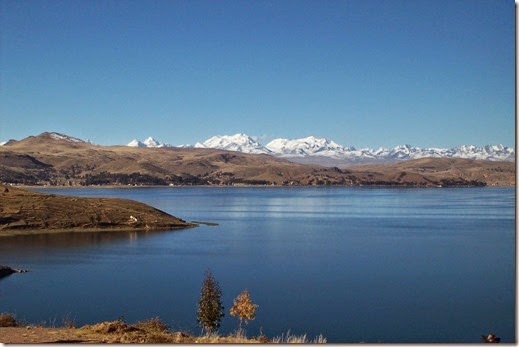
(150, 331)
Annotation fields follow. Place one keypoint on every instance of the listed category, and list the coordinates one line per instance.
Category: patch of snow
(61, 137)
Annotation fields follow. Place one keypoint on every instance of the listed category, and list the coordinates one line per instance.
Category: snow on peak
(238, 142)
(312, 146)
(61, 137)
(306, 146)
(135, 143)
(150, 142)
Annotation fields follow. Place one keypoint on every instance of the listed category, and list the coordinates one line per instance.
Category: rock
(6, 271)
(490, 338)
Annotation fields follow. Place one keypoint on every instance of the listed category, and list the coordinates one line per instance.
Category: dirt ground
(111, 332)
(31, 334)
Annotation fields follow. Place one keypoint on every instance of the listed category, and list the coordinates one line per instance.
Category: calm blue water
(353, 264)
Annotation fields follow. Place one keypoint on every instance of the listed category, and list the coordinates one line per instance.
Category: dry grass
(151, 331)
(288, 338)
(238, 337)
(153, 325)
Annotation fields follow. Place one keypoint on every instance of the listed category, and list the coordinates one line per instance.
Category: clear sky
(360, 72)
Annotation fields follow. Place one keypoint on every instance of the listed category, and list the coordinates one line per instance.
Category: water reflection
(19, 247)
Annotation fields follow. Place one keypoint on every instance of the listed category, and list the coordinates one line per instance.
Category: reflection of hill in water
(66, 245)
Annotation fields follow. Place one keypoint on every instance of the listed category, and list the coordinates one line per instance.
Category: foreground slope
(56, 159)
(22, 211)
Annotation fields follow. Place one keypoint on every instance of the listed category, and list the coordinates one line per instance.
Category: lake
(352, 264)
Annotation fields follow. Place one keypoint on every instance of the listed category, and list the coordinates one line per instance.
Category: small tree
(210, 309)
(244, 308)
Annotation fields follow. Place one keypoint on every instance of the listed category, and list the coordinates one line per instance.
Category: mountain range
(57, 159)
(325, 151)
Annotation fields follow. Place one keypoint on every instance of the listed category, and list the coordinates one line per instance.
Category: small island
(26, 212)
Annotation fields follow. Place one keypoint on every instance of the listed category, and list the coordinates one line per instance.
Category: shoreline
(24, 232)
(149, 331)
(258, 186)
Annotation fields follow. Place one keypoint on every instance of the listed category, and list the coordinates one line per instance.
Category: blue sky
(361, 72)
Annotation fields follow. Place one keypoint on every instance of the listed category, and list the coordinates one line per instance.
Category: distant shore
(111, 186)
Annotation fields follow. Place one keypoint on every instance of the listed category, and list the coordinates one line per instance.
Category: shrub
(7, 320)
(153, 325)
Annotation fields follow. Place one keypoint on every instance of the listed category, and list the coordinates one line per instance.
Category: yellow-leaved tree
(244, 308)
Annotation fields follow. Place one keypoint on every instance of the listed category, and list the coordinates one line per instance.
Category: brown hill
(22, 211)
(43, 159)
(55, 159)
(438, 172)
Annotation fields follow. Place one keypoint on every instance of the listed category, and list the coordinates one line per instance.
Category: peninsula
(23, 211)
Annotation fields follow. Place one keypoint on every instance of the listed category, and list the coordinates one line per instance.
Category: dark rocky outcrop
(6, 271)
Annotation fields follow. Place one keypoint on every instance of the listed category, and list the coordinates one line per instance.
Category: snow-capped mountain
(135, 143)
(150, 142)
(238, 142)
(327, 152)
(484, 153)
(314, 147)
(306, 146)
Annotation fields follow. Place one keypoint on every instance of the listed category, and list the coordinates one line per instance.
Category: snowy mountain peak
(238, 142)
(320, 147)
(310, 145)
(150, 142)
(315, 147)
(135, 143)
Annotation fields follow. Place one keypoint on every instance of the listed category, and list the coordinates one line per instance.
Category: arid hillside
(44, 159)
(438, 172)
(22, 211)
(55, 159)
